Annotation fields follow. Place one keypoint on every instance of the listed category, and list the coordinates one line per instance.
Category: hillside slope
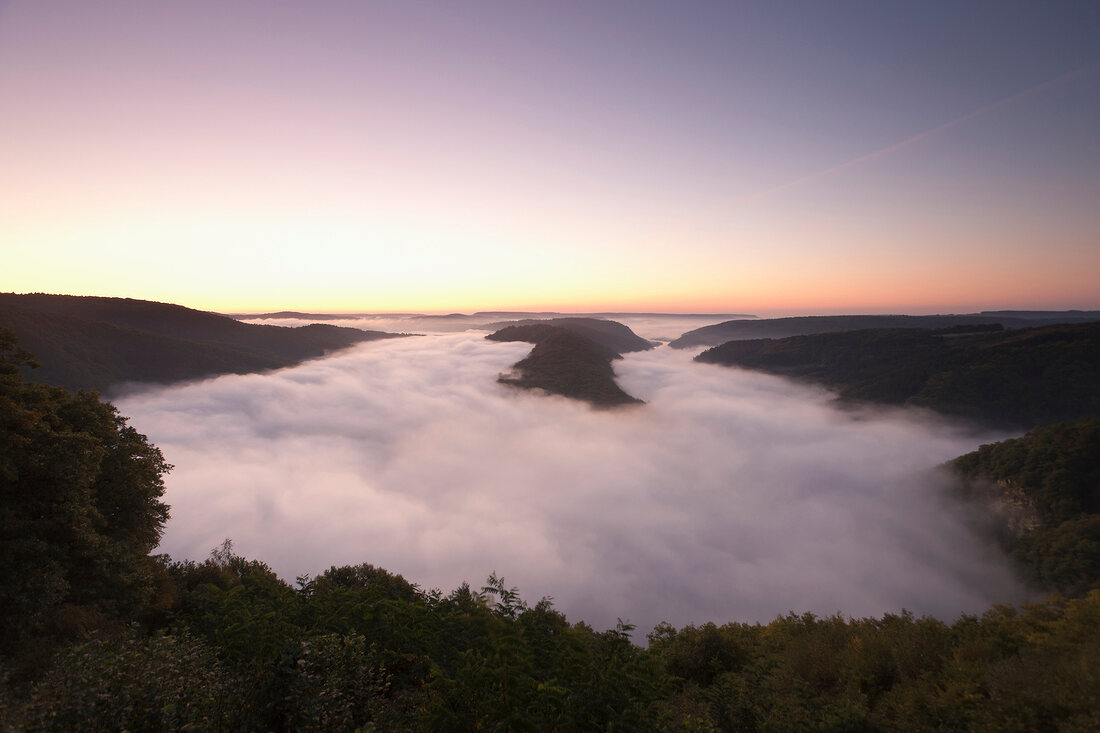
(1017, 379)
(612, 334)
(565, 363)
(773, 328)
(1044, 491)
(102, 343)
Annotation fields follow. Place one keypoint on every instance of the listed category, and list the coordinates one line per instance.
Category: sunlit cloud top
(750, 157)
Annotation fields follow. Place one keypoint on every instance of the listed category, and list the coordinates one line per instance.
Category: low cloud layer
(729, 496)
(656, 326)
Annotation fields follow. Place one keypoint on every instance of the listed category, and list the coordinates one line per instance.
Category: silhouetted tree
(80, 507)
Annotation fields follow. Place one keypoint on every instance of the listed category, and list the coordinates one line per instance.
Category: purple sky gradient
(641, 155)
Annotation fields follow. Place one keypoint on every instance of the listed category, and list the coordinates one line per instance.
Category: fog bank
(729, 496)
(657, 326)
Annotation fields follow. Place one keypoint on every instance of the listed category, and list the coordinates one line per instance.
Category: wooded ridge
(566, 363)
(105, 343)
(739, 329)
(1016, 379)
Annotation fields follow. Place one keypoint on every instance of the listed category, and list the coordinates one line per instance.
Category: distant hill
(1018, 379)
(1043, 490)
(290, 314)
(612, 334)
(566, 363)
(103, 343)
(720, 333)
(609, 315)
(1046, 318)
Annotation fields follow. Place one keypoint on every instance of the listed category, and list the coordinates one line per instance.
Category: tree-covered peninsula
(571, 363)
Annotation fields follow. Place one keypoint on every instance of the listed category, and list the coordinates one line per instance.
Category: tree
(80, 507)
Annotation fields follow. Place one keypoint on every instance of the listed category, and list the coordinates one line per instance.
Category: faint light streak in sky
(920, 136)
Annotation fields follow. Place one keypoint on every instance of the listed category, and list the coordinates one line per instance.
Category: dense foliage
(356, 648)
(98, 343)
(1019, 378)
(1030, 669)
(1045, 487)
(565, 363)
(80, 508)
(361, 649)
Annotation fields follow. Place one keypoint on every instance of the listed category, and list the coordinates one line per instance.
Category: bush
(133, 683)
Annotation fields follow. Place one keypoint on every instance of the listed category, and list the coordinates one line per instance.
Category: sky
(748, 157)
(729, 496)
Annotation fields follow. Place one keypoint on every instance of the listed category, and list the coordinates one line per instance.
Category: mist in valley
(656, 326)
(729, 496)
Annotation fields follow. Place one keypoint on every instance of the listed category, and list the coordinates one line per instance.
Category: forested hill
(773, 328)
(1044, 490)
(565, 363)
(614, 335)
(1016, 379)
(100, 343)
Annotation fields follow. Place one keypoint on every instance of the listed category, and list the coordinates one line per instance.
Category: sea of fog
(729, 496)
(656, 326)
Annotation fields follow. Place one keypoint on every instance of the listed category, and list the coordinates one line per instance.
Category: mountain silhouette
(105, 343)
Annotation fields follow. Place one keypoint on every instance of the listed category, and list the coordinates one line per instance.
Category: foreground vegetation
(99, 635)
(360, 648)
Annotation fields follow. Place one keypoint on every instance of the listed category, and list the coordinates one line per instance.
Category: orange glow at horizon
(375, 157)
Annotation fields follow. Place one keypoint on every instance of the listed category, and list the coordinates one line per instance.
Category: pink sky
(764, 158)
